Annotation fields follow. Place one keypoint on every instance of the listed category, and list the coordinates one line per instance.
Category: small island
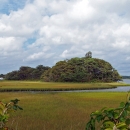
(85, 69)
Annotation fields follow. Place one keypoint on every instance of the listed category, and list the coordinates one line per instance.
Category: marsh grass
(51, 86)
(58, 111)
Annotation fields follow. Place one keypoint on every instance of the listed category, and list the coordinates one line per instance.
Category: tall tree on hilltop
(88, 54)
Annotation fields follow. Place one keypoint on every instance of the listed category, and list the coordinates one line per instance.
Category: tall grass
(58, 111)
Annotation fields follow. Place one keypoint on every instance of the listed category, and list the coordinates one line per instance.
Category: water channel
(118, 89)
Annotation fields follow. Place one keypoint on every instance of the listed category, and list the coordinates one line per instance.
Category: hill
(86, 69)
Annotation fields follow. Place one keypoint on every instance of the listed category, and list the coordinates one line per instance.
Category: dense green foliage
(111, 118)
(84, 69)
(5, 109)
(26, 73)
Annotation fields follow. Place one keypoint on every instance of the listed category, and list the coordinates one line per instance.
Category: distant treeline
(26, 73)
(2, 75)
(85, 69)
(126, 77)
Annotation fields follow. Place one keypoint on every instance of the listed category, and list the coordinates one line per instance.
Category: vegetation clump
(5, 109)
(26, 73)
(86, 69)
(111, 118)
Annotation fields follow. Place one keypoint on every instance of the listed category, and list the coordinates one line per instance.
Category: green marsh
(58, 111)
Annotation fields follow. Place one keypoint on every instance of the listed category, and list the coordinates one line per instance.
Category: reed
(58, 111)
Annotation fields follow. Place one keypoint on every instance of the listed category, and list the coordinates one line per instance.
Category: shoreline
(29, 86)
(50, 90)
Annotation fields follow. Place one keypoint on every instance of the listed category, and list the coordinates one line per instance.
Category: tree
(88, 54)
(12, 75)
(2, 75)
(27, 73)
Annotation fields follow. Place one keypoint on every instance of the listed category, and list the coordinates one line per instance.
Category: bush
(5, 109)
(111, 118)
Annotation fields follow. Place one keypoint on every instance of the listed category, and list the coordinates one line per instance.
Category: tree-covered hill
(86, 69)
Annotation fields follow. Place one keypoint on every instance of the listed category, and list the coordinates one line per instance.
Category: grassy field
(58, 111)
(53, 110)
(42, 86)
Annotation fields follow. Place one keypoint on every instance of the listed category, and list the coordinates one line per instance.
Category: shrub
(5, 109)
(111, 118)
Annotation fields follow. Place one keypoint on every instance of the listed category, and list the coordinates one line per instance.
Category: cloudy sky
(42, 32)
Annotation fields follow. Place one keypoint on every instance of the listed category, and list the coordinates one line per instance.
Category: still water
(118, 89)
(126, 81)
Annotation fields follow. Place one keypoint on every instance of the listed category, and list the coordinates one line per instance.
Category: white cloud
(35, 56)
(123, 30)
(81, 10)
(38, 56)
(65, 29)
(9, 44)
(64, 54)
(4, 28)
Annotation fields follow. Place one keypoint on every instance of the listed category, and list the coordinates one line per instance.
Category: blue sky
(7, 6)
(34, 32)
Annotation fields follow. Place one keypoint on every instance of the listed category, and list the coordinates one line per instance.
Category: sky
(43, 32)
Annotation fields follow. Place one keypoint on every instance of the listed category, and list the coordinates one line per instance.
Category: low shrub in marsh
(111, 118)
(5, 109)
